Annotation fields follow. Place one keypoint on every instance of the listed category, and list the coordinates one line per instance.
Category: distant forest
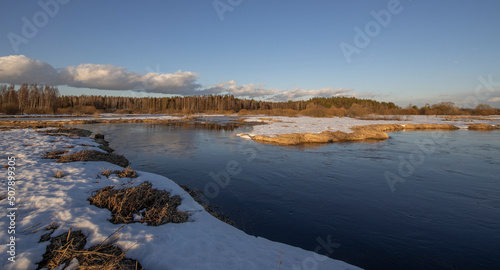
(43, 99)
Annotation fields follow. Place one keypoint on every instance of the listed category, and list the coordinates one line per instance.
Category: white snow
(202, 243)
(285, 125)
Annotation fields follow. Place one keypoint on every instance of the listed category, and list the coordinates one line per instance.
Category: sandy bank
(303, 130)
(360, 133)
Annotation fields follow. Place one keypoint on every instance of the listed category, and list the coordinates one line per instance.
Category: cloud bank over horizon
(19, 69)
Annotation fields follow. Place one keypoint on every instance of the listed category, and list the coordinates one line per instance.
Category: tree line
(44, 99)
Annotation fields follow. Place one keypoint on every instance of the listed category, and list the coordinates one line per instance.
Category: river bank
(50, 200)
(303, 130)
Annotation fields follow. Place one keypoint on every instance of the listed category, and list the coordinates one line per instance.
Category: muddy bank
(360, 133)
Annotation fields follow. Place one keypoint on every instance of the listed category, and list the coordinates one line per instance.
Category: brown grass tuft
(54, 154)
(127, 172)
(106, 172)
(59, 174)
(70, 132)
(70, 245)
(94, 155)
(156, 207)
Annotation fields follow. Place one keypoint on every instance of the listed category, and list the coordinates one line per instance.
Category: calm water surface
(445, 215)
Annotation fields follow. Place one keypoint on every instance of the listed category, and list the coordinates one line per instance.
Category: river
(419, 200)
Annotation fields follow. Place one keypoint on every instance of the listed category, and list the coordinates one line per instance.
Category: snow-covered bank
(203, 243)
(285, 125)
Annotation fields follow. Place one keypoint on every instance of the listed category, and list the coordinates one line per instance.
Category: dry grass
(126, 173)
(106, 172)
(70, 132)
(156, 207)
(70, 245)
(387, 117)
(59, 174)
(54, 154)
(94, 155)
(482, 127)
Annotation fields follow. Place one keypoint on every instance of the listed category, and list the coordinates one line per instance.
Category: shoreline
(281, 130)
(45, 197)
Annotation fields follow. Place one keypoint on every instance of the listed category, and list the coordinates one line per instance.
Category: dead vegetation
(106, 172)
(387, 117)
(360, 133)
(64, 249)
(54, 154)
(69, 132)
(126, 173)
(482, 127)
(94, 155)
(142, 204)
(59, 174)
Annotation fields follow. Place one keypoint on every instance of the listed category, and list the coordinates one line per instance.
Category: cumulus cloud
(109, 77)
(301, 93)
(18, 69)
(246, 90)
(494, 99)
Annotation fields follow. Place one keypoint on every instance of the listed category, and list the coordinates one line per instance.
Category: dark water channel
(439, 208)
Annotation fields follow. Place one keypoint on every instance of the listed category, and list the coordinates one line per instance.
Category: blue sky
(429, 51)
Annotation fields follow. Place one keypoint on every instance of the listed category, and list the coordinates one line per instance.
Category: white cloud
(301, 93)
(494, 99)
(172, 83)
(20, 69)
(109, 77)
(100, 76)
(246, 90)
